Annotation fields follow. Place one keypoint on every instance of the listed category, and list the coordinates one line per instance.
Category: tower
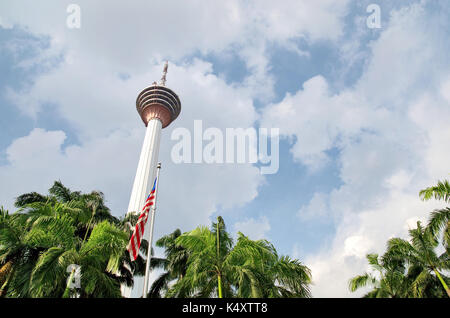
(158, 106)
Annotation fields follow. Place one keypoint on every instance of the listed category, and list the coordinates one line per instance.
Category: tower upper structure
(158, 101)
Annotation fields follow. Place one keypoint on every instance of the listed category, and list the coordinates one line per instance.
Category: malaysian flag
(136, 238)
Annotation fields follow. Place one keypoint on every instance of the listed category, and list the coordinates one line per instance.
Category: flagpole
(150, 235)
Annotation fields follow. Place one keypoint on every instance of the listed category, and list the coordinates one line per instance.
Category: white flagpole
(150, 235)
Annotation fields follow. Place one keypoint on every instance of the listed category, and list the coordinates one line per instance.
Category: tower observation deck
(160, 102)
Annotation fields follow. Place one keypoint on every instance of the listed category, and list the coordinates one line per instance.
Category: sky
(362, 113)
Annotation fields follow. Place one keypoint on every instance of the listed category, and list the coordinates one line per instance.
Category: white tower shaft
(146, 170)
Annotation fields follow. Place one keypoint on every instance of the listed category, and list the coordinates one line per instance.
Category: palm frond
(441, 191)
(438, 221)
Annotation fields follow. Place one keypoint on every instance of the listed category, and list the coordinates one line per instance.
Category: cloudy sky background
(363, 114)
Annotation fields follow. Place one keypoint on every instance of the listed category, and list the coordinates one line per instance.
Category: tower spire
(163, 78)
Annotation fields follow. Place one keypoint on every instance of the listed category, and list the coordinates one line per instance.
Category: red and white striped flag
(136, 238)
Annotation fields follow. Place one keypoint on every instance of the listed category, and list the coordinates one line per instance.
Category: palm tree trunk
(67, 290)
(219, 279)
(219, 282)
(89, 225)
(442, 282)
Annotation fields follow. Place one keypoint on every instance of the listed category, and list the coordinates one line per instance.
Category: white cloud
(395, 73)
(36, 160)
(357, 245)
(318, 120)
(255, 229)
(127, 38)
(411, 223)
(162, 26)
(399, 181)
(39, 145)
(316, 209)
(445, 90)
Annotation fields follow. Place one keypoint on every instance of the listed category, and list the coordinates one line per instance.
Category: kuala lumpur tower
(158, 106)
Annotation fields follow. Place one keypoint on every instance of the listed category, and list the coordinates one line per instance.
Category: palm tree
(203, 275)
(413, 268)
(16, 252)
(30, 197)
(386, 278)
(40, 243)
(395, 274)
(93, 203)
(291, 278)
(98, 258)
(248, 269)
(420, 252)
(174, 264)
(60, 227)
